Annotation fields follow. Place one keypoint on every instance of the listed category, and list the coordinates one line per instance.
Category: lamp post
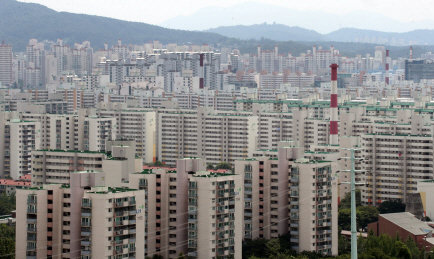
(353, 199)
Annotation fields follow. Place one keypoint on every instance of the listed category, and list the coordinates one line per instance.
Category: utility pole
(353, 199)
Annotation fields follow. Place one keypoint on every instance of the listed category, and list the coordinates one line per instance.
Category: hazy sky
(155, 12)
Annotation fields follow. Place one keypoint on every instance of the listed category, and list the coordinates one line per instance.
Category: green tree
(7, 203)
(346, 201)
(7, 248)
(366, 215)
(273, 246)
(344, 218)
(254, 248)
(7, 231)
(391, 207)
(181, 255)
(210, 167)
(412, 247)
(158, 163)
(344, 245)
(402, 251)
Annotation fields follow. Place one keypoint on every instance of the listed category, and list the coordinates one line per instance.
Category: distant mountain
(277, 32)
(420, 37)
(20, 22)
(280, 32)
(249, 13)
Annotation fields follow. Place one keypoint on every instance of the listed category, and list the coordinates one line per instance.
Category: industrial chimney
(334, 138)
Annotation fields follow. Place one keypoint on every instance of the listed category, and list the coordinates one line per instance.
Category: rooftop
(409, 222)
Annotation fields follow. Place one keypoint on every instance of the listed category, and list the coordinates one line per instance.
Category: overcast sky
(155, 12)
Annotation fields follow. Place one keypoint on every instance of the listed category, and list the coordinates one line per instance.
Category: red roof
(13, 182)
(158, 167)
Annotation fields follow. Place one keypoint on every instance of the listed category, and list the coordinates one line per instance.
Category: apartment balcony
(31, 248)
(85, 233)
(85, 243)
(29, 220)
(86, 214)
(32, 210)
(31, 238)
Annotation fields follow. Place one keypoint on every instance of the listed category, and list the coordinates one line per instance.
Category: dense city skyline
(143, 142)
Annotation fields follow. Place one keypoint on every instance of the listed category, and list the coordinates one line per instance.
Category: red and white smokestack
(201, 71)
(387, 67)
(411, 52)
(334, 138)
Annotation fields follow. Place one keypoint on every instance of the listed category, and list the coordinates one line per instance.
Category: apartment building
(191, 210)
(80, 220)
(276, 179)
(223, 220)
(18, 139)
(5, 64)
(51, 166)
(313, 206)
(394, 163)
(84, 131)
(215, 136)
(139, 125)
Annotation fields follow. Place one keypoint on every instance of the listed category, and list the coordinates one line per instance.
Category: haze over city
(398, 11)
(216, 129)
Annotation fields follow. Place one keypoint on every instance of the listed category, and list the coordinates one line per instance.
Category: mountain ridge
(249, 13)
(20, 22)
(280, 32)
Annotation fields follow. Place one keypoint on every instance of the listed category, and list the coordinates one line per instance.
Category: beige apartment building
(80, 220)
(206, 133)
(191, 210)
(223, 220)
(139, 125)
(17, 140)
(84, 131)
(286, 193)
(55, 166)
(5, 64)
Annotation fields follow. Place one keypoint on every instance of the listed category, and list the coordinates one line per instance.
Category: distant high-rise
(5, 64)
(416, 70)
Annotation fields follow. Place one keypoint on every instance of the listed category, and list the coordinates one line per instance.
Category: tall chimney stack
(201, 71)
(334, 138)
(387, 67)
